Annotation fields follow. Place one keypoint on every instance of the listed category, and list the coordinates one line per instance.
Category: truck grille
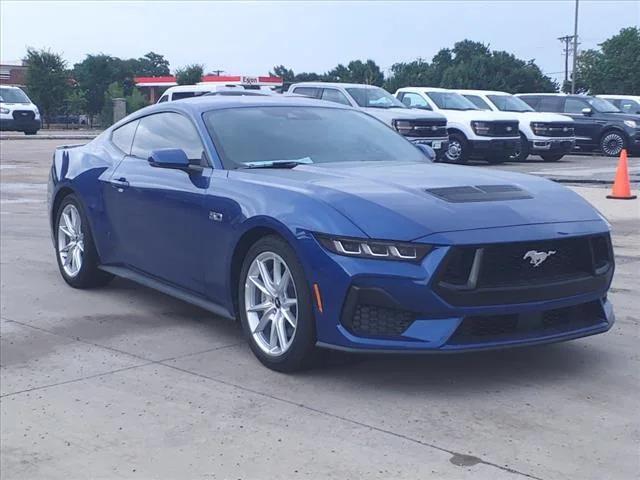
(21, 115)
(557, 129)
(524, 271)
(503, 129)
(428, 128)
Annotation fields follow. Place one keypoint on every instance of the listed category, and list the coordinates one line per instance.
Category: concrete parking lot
(124, 382)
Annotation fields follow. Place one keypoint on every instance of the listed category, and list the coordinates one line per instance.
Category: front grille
(503, 129)
(487, 328)
(373, 320)
(525, 271)
(558, 129)
(428, 128)
(23, 115)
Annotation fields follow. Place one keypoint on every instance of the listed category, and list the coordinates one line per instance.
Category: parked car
(473, 133)
(180, 92)
(425, 128)
(546, 134)
(626, 103)
(318, 226)
(17, 112)
(599, 125)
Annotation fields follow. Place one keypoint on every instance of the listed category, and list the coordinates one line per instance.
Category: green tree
(357, 71)
(94, 76)
(286, 74)
(472, 65)
(615, 68)
(152, 65)
(47, 80)
(135, 101)
(114, 90)
(190, 74)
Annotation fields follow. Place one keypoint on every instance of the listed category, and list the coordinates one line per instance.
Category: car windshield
(509, 103)
(13, 95)
(603, 106)
(451, 101)
(249, 136)
(374, 97)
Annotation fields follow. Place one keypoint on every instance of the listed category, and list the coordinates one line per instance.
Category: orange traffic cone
(621, 186)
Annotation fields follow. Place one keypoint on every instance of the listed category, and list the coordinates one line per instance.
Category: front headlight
(481, 128)
(403, 127)
(539, 128)
(4, 110)
(375, 249)
(631, 123)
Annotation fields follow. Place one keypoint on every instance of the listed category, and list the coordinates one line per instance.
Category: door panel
(586, 127)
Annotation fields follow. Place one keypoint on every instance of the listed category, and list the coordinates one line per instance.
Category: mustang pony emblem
(536, 258)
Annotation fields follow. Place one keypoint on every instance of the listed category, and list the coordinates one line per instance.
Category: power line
(566, 52)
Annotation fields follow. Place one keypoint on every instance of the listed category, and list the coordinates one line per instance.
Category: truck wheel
(458, 151)
(612, 143)
(522, 150)
(552, 157)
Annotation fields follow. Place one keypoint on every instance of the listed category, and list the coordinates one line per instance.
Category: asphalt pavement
(124, 382)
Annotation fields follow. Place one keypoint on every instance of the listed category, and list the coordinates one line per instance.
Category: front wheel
(522, 149)
(458, 150)
(612, 143)
(275, 306)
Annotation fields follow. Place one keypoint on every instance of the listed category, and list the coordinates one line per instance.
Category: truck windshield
(451, 101)
(292, 135)
(13, 95)
(602, 106)
(509, 103)
(374, 97)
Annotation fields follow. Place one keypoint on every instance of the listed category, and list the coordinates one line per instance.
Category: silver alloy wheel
(70, 240)
(454, 152)
(271, 303)
(612, 144)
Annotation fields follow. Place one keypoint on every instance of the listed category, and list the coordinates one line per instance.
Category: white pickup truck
(473, 133)
(549, 135)
(426, 128)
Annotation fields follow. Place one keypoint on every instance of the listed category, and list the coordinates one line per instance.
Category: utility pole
(575, 49)
(566, 52)
(217, 72)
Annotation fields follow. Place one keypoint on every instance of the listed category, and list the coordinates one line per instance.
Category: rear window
(307, 91)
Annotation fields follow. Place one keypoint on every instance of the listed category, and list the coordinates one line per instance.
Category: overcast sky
(251, 37)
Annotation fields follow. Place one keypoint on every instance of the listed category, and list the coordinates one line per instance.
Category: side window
(166, 130)
(122, 137)
(181, 95)
(307, 91)
(533, 102)
(333, 95)
(163, 98)
(478, 102)
(413, 100)
(549, 104)
(574, 105)
(628, 106)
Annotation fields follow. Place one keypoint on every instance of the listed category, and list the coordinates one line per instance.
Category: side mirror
(427, 151)
(169, 158)
(587, 111)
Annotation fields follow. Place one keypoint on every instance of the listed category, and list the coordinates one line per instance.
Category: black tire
(30, 132)
(458, 149)
(89, 276)
(302, 353)
(612, 143)
(552, 157)
(522, 152)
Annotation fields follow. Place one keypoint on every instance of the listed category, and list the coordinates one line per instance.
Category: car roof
(630, 97)
(332, 84)
(201, 88)
(481, 92)
(427, 89)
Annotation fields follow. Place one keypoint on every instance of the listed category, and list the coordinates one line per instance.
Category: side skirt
(168, 289)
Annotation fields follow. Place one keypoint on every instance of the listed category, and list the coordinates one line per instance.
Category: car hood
(541, 117)
(624, 116)
(480, 115)
(390, 200)
(389, 114)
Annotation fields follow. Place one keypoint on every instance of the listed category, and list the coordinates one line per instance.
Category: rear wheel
(75, 251)
(458, 150)
(275, 306)
(612, 143)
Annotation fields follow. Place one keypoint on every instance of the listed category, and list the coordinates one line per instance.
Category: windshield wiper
(278, 163)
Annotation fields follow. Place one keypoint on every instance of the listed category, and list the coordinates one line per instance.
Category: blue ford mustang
(318, 226)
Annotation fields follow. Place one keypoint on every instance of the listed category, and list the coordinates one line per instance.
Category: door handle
(119, 184)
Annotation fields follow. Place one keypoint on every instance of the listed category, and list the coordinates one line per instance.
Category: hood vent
(479, 193)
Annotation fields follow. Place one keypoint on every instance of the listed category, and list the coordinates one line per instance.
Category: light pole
(575, 49)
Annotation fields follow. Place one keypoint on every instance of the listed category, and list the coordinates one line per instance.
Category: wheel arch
(613, 128)
(62, 192)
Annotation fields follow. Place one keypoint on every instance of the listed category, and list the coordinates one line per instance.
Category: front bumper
(436, 325)
(27, 125)
(552, 145)
(502, 147)
(439, 145)
(634, 142)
